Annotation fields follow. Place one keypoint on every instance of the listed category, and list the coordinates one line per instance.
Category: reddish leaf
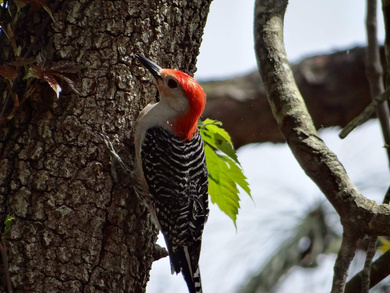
(65, 67)
(8, 72)
(45, 70)
(53, 83)
(71, 84)
(68, 81)
(36, 71)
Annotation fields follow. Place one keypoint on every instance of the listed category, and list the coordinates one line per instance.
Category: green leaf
(213, 134)
(7, 223)
(222, 189)
(217, 127)
(225, 172)
(237, 175)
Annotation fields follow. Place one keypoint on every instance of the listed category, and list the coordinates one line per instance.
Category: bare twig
(343, 261)
(386, 199)
(386, 18)
(380, 269)
(366, 272)
(374, 71)
(366, 114)
(374, 75)
(357, 213)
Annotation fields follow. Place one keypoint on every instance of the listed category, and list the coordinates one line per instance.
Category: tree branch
(386, 18)
(366, 114)
(374, 72)
(343, 261)
(358, 214)
(380, 269)
(366, 272)
(374, 75)
(373, 69)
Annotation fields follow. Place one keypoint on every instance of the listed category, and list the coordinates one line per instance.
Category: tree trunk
(75, 229)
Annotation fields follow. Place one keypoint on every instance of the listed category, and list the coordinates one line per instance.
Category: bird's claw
(115, 158)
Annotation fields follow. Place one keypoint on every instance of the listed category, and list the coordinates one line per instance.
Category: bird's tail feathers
(181, 262)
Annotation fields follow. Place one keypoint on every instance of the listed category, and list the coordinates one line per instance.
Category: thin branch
(366, 114)
(366, 272)
(343, 261)
(357, 214)
(371, 250)
(386, 18)
(386, 199)
(374, 72)
(380, 96)
(374, 75)
(380, 269)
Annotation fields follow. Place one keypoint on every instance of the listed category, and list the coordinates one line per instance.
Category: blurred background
(287, 236)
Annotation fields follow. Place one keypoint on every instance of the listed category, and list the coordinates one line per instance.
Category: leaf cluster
(24, 72)
(225, 171)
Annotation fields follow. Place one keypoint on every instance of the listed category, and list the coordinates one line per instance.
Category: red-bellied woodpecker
(170, 168)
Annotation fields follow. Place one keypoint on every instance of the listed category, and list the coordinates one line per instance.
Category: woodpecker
(170, 167)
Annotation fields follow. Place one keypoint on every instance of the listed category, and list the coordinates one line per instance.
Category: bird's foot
(115, 158)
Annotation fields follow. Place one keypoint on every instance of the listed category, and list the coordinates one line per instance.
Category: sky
(282, 192)
(311, 27)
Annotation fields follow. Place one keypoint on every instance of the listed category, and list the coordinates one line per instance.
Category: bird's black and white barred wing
(176, 174)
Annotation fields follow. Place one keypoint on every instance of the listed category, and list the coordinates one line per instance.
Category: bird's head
(182, 93)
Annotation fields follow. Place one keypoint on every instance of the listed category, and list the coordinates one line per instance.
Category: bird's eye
(172, 83)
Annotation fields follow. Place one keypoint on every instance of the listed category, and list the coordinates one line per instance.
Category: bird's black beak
(151, 66)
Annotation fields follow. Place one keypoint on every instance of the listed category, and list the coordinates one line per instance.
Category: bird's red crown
(185, 125)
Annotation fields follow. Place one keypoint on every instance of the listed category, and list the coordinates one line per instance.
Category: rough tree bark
(76, 230)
